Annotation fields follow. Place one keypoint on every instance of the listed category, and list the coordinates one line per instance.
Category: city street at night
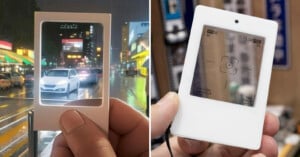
(70, 49)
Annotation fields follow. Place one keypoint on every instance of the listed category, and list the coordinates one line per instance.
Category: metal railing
(14, 134)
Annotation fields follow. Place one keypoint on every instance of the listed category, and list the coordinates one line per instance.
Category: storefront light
(98, 49)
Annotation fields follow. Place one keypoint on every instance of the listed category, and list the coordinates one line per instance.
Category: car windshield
(97, 71)
(15, 74)
(57, 73)
(83, 71)
(2, 77)
(6, 75)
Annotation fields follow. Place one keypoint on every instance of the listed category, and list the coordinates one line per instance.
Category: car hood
(53, 80)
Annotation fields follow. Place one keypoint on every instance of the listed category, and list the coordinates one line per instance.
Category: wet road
(15, 102)
(129, 89)
(126, 88)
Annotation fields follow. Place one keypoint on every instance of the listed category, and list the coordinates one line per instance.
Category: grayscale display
(228, 65)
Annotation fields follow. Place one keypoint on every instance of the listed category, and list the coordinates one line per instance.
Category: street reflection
(84, 92)
(130, 89)
(15, 102)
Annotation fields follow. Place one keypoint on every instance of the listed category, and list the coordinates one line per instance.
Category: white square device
(225, 80)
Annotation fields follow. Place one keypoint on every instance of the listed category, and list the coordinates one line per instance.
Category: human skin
(164, 112)
(128, 134)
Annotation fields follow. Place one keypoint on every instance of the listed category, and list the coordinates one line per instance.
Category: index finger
(163, 113)
(271, 124)
(128, 128)
(60, 147)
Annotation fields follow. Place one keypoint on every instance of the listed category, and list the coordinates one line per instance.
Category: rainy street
(15, 103)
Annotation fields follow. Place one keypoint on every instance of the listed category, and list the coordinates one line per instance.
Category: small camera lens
(236, 21)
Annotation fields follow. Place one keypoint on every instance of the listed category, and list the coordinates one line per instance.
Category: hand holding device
(81, 136)
(164, 112)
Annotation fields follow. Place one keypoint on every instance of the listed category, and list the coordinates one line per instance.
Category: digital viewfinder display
(71, 62)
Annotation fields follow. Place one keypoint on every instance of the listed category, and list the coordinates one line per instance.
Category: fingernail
(170, 97)
(191, 143)
(258, 155)
(71, 120)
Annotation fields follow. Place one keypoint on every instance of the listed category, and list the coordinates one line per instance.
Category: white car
(59, 81)
(15, 78)
(5, 82)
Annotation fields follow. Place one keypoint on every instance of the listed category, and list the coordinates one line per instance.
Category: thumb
(162, 113)
(83, 136)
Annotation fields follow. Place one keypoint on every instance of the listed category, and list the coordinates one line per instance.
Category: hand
(81, 137)
(164, 112)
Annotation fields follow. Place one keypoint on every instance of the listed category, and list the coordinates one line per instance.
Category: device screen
(71, 62)
(228, 66)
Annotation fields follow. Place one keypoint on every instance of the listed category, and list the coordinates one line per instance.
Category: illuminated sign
(72, 45)
(171, 9)
(276, 10)
(5, 45)
(137, 29)
(25, 52)
(69, 26)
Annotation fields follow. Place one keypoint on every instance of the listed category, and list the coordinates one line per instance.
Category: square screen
(228, 66)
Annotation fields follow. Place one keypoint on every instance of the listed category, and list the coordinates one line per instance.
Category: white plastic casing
(217, 121)
(46, 117)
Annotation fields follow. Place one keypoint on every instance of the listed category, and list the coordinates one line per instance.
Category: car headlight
(42, 82)
(62, 82)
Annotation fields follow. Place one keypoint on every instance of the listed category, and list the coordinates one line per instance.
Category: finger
(60, 147)
(83, 136)
(271, 124)
(129, 129)
(268, 148)
(192, 146)
(223, 150)
(162, 150)
(258, 155)
(162, 113)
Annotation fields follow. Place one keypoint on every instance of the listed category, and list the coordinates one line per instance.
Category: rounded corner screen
(71, 62)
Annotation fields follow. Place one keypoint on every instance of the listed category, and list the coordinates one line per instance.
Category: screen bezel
(42, 112)
(216, 121)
